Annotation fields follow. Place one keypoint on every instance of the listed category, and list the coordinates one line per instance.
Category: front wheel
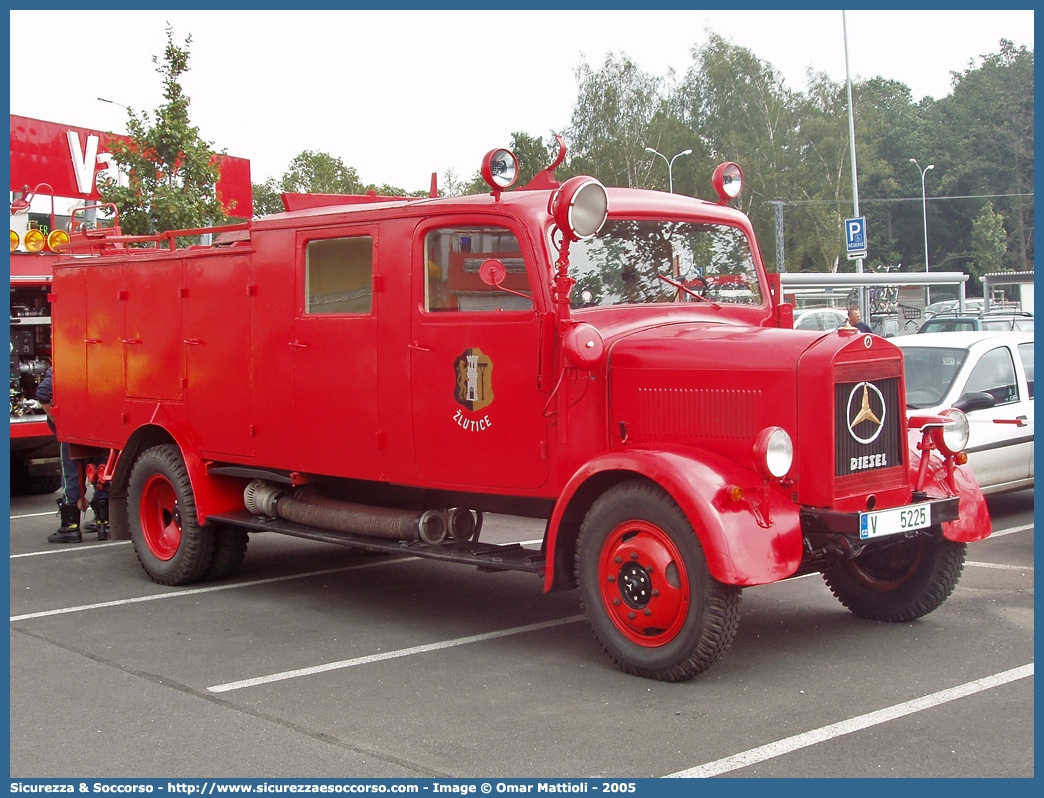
(645, 587)
(901, 581)
(171, 546)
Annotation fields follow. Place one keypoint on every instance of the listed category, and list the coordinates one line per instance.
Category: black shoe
(65, 536)
(100, 505)
(69, 531)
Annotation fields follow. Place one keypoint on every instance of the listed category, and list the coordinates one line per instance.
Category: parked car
(989, 376)
(971, 306)
(995, 322)
(887, 326)
(819, 319)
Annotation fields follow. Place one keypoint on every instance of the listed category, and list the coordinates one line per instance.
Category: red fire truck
(50, 160)
(379, 373)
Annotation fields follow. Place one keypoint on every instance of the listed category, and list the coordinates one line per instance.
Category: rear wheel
(900, 582)
(645, 587)
(230, 547)
(171, 546)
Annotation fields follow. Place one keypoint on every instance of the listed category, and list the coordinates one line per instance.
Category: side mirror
(493, 272)
(975, 401)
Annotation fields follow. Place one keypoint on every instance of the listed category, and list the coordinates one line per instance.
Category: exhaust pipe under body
(309, 507)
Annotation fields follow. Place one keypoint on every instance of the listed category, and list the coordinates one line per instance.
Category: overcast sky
(401, 94)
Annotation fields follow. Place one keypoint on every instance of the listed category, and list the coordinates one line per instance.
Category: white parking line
(195, 591)
(34, 515)
(999, 533)
(402, 652)
(799, 741)
(1001, 567)
(67, 548)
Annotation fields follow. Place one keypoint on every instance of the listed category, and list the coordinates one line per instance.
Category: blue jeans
(72, 483)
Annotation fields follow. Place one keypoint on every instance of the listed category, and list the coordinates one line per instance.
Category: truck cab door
(478, 414)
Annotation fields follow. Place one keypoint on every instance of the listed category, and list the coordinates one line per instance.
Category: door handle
(1018, 421)
(193, 341)
(131, 341)
(418, 348)
(298, 345)
(92, 340)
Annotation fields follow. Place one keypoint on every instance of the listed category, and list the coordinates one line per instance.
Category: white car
(819, 319)
(989, 376)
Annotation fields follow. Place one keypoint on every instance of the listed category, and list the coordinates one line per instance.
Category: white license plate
(892, 522)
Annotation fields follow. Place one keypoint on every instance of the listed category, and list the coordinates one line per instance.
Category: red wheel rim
(643, 583)
(160, 517)
(888, 569)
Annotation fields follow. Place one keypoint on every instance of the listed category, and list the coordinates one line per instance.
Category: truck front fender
(974, 522)
(748, 542)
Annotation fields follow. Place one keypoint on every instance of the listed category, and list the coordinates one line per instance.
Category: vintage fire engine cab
(380, 372)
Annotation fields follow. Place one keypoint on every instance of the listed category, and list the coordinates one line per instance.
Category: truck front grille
(867, 426)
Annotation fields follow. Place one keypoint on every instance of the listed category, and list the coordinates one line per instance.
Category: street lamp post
(670, 164)
(924, 210)
(113, 102)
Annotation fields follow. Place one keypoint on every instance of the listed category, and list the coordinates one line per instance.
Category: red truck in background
(380, 372)
(35, 458)
(49, 161)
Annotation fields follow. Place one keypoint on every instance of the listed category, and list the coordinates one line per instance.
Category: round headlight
(952, 438)
(773, 452)
(580, 207)
(728, 181)
(499, 169)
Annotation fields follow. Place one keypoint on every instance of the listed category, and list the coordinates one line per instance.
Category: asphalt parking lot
(318, 661)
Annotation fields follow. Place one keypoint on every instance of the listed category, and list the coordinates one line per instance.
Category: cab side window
(453, 256)
(339, 275)
(995, 374)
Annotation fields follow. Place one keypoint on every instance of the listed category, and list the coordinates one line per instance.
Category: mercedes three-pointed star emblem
(864, 413)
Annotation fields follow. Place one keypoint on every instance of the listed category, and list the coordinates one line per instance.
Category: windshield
(650, 261)
(930, 371)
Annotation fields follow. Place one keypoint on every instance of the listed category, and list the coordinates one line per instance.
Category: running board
(485, 556)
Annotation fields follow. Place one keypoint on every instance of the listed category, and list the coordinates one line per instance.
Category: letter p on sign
(855, 237)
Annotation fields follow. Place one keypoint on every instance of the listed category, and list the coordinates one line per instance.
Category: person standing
(74, 484)
(855, 318)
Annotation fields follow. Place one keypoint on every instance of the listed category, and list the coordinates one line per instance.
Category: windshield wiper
(681, 287)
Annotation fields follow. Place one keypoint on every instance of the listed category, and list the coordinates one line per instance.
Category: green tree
(737, 107)
(266, 198)
(890, 129)
(613, 121)
(987, 130)
(171, 171)
(313, 172)
(989, 243)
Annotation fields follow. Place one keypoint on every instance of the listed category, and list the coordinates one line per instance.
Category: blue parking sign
(855, 237)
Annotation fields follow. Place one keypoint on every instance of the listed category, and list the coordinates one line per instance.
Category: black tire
(899, 582)
(230, 547)
(38, 485)
(638, 562)
(171, 546)
(24, 485)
